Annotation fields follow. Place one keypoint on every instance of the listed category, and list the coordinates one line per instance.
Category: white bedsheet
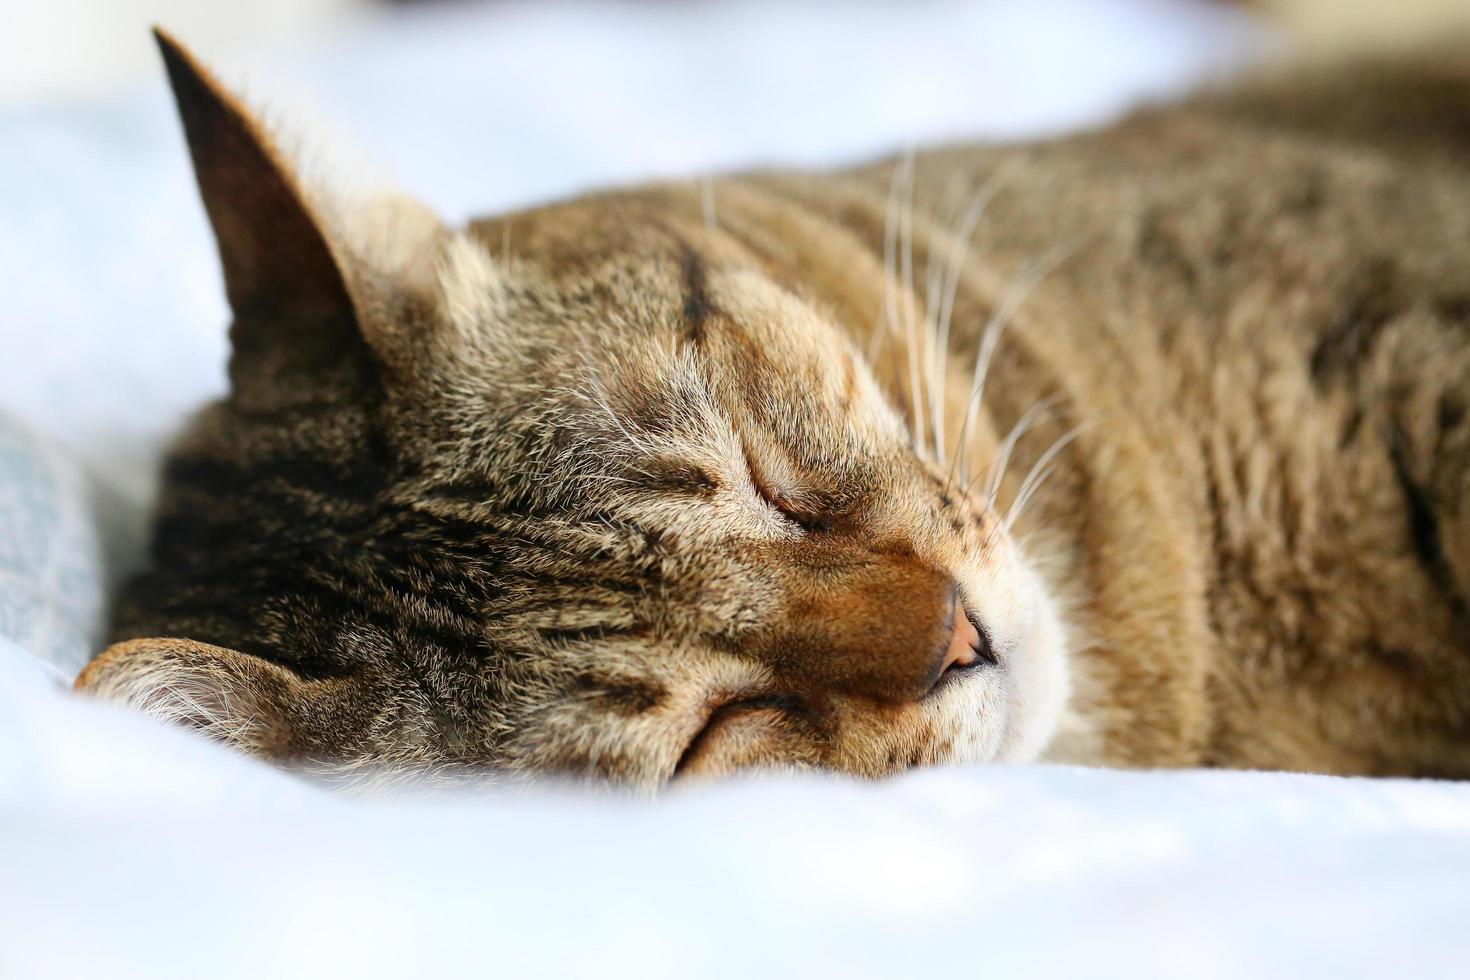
(131, 850)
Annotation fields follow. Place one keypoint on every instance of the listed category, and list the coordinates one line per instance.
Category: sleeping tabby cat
(1143, 447)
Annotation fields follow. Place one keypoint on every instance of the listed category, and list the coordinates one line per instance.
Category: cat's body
(1261, 533)
(489, 521)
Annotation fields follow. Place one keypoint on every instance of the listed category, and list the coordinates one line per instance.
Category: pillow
(52, 583)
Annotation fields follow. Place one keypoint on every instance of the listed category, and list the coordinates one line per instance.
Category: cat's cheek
(1038, 684)
(757, 739)
(974, 721)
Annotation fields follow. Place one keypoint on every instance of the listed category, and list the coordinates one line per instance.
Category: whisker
(889, 314)
(910, 321)
(1007, 447)
(1040, 470)
(1003, 458)
(960, 243)
(969, 222)
(938, 360)
(1016, 293)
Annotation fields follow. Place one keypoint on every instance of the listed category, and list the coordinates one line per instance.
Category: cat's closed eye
(740, 728)
(801, 510)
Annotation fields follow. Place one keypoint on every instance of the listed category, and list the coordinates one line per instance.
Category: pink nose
(967, 646)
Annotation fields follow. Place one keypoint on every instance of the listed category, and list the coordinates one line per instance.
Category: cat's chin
(1038, 682)
(1008, 713)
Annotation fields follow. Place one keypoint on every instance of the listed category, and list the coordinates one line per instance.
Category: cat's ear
(297, 333)
(232, 697)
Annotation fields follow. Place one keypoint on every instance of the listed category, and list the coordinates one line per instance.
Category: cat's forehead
(576, 281)
(619, 279)
(621, 314)
(539, 328)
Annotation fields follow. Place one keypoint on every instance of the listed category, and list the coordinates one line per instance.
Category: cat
(1146, 446)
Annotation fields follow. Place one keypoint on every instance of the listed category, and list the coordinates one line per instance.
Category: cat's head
(597, 489)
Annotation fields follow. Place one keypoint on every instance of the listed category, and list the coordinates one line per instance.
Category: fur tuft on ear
(469, 285)
(232, 697)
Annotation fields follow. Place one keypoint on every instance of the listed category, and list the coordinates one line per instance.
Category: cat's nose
(885, 626)
(967, 645)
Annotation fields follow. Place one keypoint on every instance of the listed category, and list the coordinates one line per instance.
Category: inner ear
(232, 697)
(296, 334)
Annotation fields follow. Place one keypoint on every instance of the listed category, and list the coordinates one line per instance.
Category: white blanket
(127, 850)
(130, 850)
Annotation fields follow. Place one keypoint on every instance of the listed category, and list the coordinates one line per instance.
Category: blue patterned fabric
(51, 573)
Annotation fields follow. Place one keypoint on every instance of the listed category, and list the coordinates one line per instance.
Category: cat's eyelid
(804, 518)
(760, 479)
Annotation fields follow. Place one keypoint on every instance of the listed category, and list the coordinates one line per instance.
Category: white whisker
(959, 248)
(888, 315)
(1040, 470)
(910, 314)
(939, 349)
(1007, 447)
(937, 362)
(1016, 293)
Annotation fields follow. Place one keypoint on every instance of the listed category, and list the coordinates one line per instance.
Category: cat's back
(1266, 320)
(1280, 182)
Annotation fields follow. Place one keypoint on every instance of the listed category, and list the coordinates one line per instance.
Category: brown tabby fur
(613, 487)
